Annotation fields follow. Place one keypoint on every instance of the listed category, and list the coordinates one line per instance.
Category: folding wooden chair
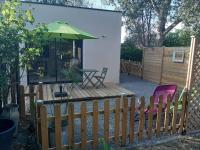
(100, 79)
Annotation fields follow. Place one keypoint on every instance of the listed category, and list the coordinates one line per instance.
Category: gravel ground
(181, 143)
(25, 137)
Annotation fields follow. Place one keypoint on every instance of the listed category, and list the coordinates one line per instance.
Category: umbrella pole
(56, 61)
(74, 49)
(60, 65)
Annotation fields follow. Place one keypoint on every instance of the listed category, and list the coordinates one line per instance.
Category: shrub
(130, 52)
(178, 38)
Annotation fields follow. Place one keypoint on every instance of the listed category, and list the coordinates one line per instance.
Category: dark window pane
(55, 59)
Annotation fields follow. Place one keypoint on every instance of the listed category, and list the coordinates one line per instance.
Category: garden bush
(130, 52)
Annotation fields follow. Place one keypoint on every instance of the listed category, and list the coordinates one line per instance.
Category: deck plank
(79, 94)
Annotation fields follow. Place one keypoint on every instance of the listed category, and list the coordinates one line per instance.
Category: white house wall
(106, 25)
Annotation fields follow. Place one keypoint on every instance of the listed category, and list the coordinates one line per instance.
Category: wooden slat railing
(126, 129)
(131, 67)
(23, 96)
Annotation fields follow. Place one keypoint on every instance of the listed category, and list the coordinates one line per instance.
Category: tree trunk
(161, 38)
(161, 31)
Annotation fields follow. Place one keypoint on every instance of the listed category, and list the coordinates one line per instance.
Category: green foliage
(130, 52)
(79, 3)
(72, 74)
(190, 12)
(18, 45)
(149, 21)
(105, 145)
(178, 38)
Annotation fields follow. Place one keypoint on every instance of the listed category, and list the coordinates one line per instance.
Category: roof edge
(72, 6)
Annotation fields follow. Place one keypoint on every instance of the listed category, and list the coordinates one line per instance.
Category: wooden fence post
(22, 102)
(141, 119)
(174, 118)
(83, 126)
(124, 120)
(159, 114)
(40, 89)
(38, 123)
(167, 110)
(95, 124)
(106, 121)
(32, 104)
(71, 125)
(117, 120)
(150, 117)
(132, 120)
(58, 127)
(38, 110)
(44, 128)
(182, 118)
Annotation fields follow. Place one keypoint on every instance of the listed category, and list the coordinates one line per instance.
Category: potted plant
(18, 48)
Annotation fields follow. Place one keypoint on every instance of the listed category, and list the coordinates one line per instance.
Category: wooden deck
(78, 94)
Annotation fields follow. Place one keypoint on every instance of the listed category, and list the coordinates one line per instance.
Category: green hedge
(178, 38)
(130, 52)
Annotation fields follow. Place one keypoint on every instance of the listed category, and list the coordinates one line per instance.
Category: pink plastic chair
(163, 90)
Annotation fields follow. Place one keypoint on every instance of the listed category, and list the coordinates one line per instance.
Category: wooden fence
(28, 95)
(131, 123)
(159, 67)
(131, 67)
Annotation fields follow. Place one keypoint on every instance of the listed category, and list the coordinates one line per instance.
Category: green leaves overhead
(178, 38)
(19, 46)
(30, 16)
(149, 21)
(191, 15)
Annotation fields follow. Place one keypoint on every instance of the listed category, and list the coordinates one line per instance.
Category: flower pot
(7, 129)
(11, 112)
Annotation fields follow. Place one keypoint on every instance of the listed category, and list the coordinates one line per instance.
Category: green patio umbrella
(63, 30)
(67, 31)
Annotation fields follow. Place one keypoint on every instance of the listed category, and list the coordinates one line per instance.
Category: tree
(149, 21)
(13, 32)
(79, 3)
(150, 18)
(190, 12)
(130, 52)
(140, 28)
(178, 38)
